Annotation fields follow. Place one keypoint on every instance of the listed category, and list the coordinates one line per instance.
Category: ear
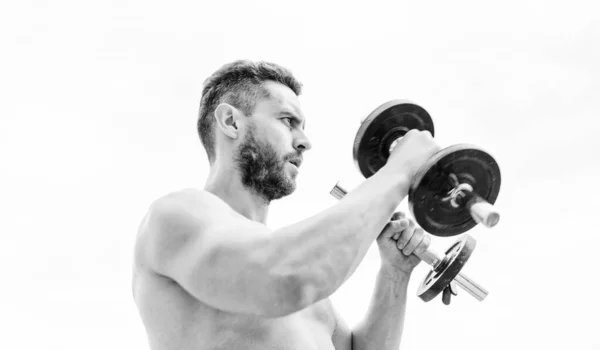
(227, 119)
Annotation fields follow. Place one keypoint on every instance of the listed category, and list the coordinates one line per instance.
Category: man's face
(273, 141)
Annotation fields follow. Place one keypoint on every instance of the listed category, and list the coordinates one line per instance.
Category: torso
(175, 320)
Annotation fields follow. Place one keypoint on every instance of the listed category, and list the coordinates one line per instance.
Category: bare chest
(311, 328)
(173, 320)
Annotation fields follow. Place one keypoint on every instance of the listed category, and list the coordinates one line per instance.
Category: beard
(262, 169)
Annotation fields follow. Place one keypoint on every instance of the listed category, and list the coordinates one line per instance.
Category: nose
(301, 142)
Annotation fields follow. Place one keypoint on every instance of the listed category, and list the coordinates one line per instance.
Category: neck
(224, 182)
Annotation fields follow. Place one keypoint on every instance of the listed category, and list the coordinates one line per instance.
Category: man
(209, 274)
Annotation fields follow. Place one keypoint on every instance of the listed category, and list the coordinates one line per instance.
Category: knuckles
(398, 215)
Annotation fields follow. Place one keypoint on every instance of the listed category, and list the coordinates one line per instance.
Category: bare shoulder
(188, 203)
(181, 208)
(190, 227)
(177, 217)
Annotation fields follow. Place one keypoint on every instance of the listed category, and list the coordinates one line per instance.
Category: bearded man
(208, 272)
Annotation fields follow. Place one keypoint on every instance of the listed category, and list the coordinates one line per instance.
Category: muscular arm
(382, 327)
(383, 324)
(238, 265)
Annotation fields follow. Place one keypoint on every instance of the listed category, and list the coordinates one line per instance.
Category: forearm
(383, 324)
(324, 250)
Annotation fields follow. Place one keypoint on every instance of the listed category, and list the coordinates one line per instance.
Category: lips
(296, 161)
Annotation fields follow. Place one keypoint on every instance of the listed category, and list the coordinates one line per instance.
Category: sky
(97, 120)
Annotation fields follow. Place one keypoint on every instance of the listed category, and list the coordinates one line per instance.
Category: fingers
(424, 245)
(405, 235)
(398, 215)
(393, 228)
(409, 237)
(402, 224)
(412, 240)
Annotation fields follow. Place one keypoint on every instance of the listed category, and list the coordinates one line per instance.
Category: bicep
(218, 256)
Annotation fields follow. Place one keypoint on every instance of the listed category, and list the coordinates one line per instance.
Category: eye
(288, 121)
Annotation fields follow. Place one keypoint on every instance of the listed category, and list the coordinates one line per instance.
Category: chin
(291, 188)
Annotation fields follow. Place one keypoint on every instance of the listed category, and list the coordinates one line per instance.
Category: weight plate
(379, 129)
(431, 184)
(438, 279)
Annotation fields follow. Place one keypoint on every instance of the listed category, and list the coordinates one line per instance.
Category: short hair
(239, 83)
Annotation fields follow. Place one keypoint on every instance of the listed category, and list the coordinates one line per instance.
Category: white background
(98, 111)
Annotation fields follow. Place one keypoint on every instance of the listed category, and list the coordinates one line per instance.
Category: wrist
(400, 178)
(394, 273)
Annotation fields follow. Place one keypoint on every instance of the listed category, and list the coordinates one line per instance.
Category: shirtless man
(208, 272)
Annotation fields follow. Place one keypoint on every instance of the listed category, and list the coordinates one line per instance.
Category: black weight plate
(471, 165)
(456, 257)
(380, 128)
